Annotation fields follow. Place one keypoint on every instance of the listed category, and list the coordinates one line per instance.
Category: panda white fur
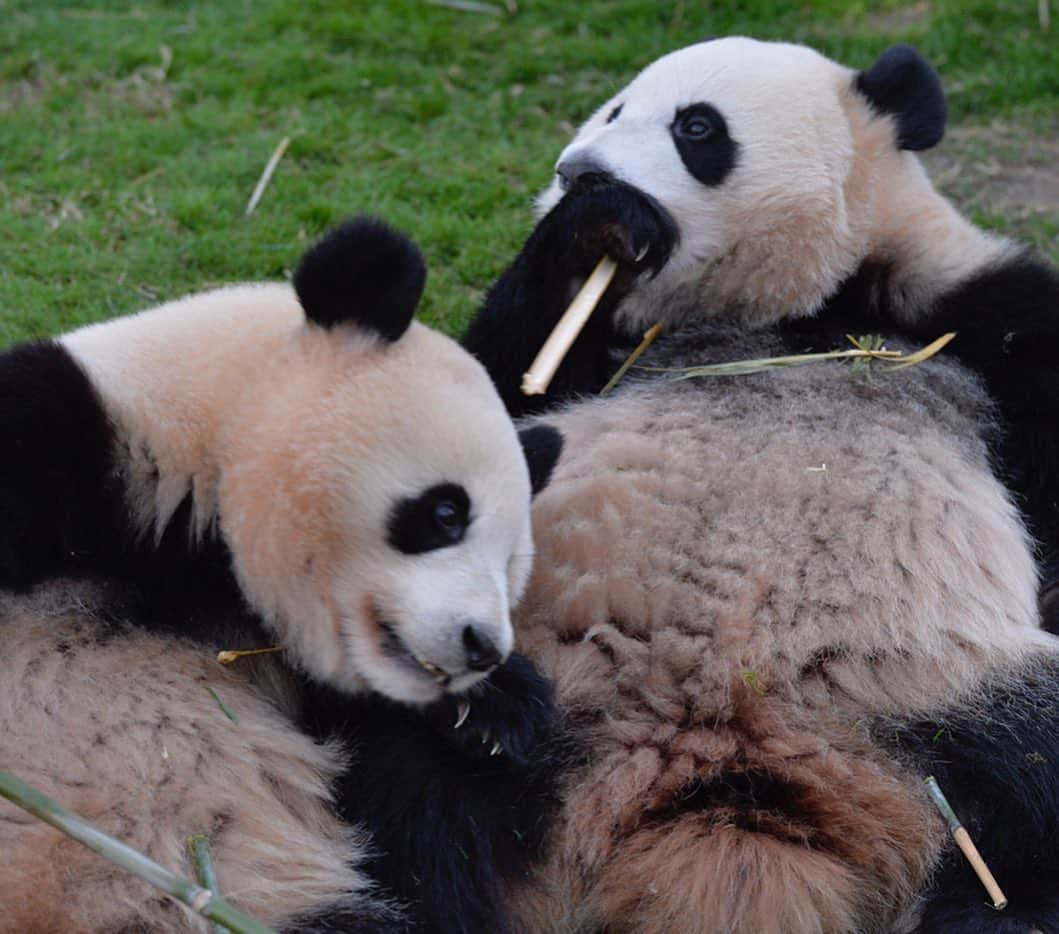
(773, 603)
(252, 465)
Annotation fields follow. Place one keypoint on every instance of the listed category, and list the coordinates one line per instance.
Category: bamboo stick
(199, 850)
(539, 375)
(200, 900)
(966, 845)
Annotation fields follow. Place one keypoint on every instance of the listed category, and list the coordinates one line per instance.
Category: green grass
(131, 134)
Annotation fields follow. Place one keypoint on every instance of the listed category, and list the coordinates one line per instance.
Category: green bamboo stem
(198, 899)
(199, 848)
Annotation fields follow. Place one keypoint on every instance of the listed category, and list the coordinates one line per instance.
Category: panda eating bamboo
(774, 603)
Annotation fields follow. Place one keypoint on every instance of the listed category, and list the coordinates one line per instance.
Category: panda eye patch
(435, 518)
(701, 136)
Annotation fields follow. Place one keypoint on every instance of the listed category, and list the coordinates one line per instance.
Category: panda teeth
(439, 673)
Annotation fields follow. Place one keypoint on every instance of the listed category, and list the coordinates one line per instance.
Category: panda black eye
(695, 128)
(435, 518)
(447, 517)
(700, 133)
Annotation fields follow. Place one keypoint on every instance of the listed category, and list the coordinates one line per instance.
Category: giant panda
(270, 464)
(772, 604)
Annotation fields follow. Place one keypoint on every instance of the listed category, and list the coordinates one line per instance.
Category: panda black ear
(901, 83)
(542, 445)
(363, 273)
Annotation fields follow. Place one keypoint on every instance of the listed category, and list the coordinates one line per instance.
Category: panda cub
(254, 465)
(772, 604)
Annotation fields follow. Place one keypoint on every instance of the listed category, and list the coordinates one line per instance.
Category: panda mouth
(398, 650)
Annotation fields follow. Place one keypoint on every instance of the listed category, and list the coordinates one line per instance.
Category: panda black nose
(482, 653)
(582, 170)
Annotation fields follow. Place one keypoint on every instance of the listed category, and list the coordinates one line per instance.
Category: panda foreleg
(525, 303)
(448, 820)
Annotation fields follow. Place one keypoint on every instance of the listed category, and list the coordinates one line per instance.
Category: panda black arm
(524, 304)
(449, 820)
(59, 498)
(1006, 320)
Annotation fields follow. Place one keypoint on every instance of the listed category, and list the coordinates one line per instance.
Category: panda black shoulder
(386, 267)
(58, 488)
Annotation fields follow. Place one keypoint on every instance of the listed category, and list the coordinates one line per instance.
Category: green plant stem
(198, 899)
(199, 848)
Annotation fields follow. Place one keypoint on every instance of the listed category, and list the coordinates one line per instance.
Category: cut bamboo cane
(966, 845)
(573, 321)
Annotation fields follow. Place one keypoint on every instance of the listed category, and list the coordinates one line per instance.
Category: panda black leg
(361, 919)
(447, 819)
(997, 764)
(524, 304)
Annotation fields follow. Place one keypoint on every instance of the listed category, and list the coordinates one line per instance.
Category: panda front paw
(507, 715)
(614, 220)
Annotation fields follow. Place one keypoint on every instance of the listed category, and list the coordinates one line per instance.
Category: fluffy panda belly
(121, 727)
(736, 580)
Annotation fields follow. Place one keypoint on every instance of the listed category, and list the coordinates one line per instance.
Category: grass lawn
(131, 134)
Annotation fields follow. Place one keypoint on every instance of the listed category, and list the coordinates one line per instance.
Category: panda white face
(750, 147)
(378, 514)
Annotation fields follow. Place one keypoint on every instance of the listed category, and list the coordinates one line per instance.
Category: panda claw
(463, 711)
(497, 749)
(643, 252)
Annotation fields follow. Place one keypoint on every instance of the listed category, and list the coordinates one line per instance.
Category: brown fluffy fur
(715, 622)
(73, 690)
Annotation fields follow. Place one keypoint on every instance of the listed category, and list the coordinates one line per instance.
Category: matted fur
(74, 689)
(725, 635)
